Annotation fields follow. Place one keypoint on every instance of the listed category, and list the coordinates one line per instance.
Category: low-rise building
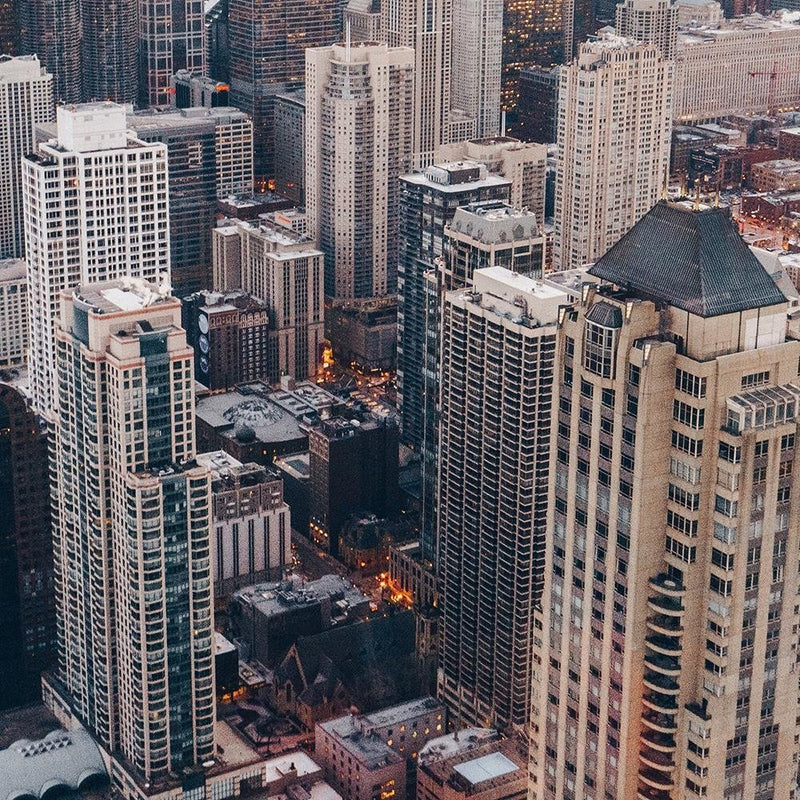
(251, 525)
(783, 173)
(364, 333)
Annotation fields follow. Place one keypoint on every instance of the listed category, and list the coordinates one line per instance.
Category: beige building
(359, 141)
(653, 21)
(523, 163)
(697, 13)
(13, 313)
(614, 125)
(747, 65)
(666, 641)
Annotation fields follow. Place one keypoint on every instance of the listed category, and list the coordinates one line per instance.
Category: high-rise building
(109, 62)
(284, 271)
(653, 21)
(359, 102)
(537, 107)
(477, 63)
(13, 313)
(614, 124)
(26, 99)
(364, 20)
(744, 66)
(428, 200)
(267, 57)
(523, 163)
(26, 552)
(84, 222)
(9, 27)
(218, 56)
(666, 664)
(290, 145)
(132, 514)
(193, 90)
(533, 36)
(210, 156)
(171, 38)
(52, 30)
(426, 27)
(497, 364)
(579, 23)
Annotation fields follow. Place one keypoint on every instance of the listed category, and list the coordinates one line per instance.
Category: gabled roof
(691, 259)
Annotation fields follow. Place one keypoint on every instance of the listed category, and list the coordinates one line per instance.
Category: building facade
(653, 21)
(665, 663)
(82, 223)
(133, 581)
(13, 313)
(497, 362)
(210, 156)
(614, 121)
(359, 112)
(26, 100)
(290, 145)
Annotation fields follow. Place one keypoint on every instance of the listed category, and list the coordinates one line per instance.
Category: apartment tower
(497, 363)
(132, 515)
(26, 100)
(109, 50)
(653, 21)
(666, 664)
(614, 124)
(425, 26)
(96, 208)
(359, 102)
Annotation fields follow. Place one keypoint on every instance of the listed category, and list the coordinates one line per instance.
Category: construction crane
(773, 80)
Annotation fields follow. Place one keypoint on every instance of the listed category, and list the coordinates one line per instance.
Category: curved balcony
(662, 703)
(662, 664)
(669, 587)
(648, 793)
(659, 741)
(661, 723)
(667, 626)
(664, 645)
(656, 780)
(661, 683)
(662, 604)
(658, 761)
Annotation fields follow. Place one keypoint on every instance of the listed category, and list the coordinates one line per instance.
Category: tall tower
(171, 38)
(668, 618)
(653, 21)
(267, 57)
(132, 520)
(477, 62)
(95, 209)
(26, 99)
(109, 63)
(358, 144)
(52, 30)
(496, 365)
(424, 25)
(614, 123)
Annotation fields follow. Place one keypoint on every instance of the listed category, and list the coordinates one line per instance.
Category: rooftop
(12, 269)
(297, 761)
(456, 176)
(485, 768)
(452, 744)
(404, 711)
(495, 222)
(368, 748)
(126, 294)
(690, 258)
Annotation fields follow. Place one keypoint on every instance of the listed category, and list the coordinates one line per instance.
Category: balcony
(661, 703)
(668, 626)
(662, 664)
(665, 605)
(658, 741)
(656, 780)
(660, 683)
(667, 586)
(660, 723)
(660, 762)
(665, 645)
(648, 793)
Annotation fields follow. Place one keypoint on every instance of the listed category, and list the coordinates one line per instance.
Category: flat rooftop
(297, 760)
(368, 748)
(279, 597)
(410, 710)
(486, 768)
(12, 269)
(126, 294)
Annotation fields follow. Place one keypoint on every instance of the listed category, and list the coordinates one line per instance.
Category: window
(690, 384)
(632, 406)
(677, 522)
(682, 497)
(730, 508)
(759, 474)
(720, 586)
(762, 448)
(587, 390)
(683, 551)
(729, 452)
(722, 560)
(685, 471)
(755, 379)
(569, 346)
(694, 447)
(724, 533)
(599, 349)
(634, 374)
(784, 493)
(787, 442)
(688, 415)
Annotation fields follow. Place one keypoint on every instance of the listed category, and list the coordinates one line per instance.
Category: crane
(773, 80)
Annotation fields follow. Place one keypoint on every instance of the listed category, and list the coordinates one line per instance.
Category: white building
(96, 208)
(285, 271)
(26, 99)
(425, 26)
(251, 533)
(747, 65)
(359, 112)
(477, 64)
(132, 515)
(653, 21)
(614, 123)
(13, 313)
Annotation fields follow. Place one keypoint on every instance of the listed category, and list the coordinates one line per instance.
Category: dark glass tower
(109, 50)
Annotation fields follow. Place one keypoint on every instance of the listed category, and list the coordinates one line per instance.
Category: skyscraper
(477, 63)
(132, 514)
(210, 156)
(667, 658)
(26, 99)
(52, 30)
(424, 25)
(358, 144)
(171, 38)
(109, 50)
(653, 21)
(496, 365)
(614, 124)
(95, 208)
(267, 42)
